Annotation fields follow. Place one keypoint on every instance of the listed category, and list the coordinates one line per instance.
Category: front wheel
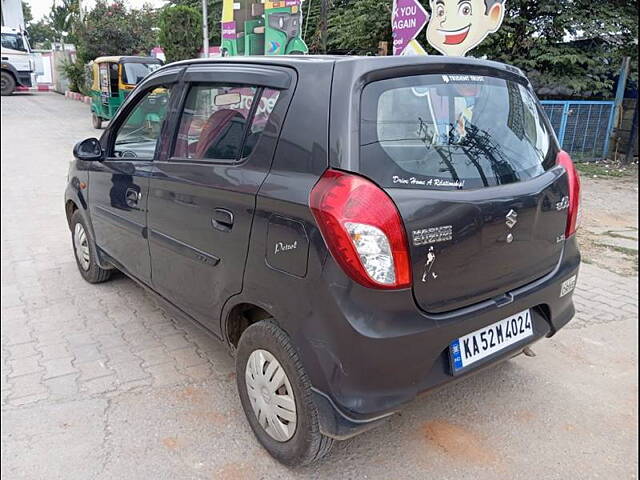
(276, 396)
(84, 249)
(96, 121)
(8, 83)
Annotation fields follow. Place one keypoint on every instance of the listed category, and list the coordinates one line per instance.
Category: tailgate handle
(503, 300)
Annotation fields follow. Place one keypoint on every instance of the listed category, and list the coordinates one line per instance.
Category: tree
(26, 13)
(63, 18)
(566, 48)
(180, 32)
(112, 29)
(41, 34)
(357, 26)
(214, 11)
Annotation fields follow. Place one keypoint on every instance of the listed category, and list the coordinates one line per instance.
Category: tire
(306, 444)
(8, 83)
(84, 249)
(96, 121)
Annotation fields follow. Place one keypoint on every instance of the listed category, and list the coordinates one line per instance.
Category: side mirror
(88, 150)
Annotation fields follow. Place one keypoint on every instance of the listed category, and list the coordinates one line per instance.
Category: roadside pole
(205, 29)
(324, 23)
(633, 139)
(617, 115)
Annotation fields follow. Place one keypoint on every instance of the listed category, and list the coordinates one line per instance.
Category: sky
(40, 8)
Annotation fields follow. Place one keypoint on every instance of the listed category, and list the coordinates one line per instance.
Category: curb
(77, 96)
(37, 88)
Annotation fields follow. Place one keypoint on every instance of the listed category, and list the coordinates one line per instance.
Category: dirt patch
(609, 204)
(171, 443)
(525, 416)
(459, 443)
(200, 407)
(234, 471)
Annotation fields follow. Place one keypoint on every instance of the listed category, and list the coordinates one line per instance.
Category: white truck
(18, 62)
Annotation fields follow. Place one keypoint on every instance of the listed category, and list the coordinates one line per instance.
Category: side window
(138, 135)
(216, 122)
(268, 101)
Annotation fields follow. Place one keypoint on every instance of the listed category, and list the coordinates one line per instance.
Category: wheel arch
(239, 317)
(70, 207)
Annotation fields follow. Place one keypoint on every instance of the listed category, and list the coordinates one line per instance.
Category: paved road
(97, 382)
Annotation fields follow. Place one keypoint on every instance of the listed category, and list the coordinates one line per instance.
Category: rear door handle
(222, 219)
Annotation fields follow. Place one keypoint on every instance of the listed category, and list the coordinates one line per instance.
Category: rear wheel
(96, 121)
(84, 250)
(276, 396)
(8, 83)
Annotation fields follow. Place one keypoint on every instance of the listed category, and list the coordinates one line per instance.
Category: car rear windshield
(452, 132)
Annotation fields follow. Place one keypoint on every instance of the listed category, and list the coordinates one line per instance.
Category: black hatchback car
(357, 230)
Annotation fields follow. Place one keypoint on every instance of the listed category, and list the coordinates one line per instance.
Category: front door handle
(222, 219)
(132, 197)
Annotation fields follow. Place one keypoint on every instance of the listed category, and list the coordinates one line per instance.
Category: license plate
(467, 350)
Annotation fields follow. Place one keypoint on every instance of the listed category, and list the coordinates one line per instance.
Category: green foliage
(27, 14)
(568, 49)
(75, 73)
(356, 27)
(214, 12)
(180, 32)
(112, 29)
(41, 34)
(63, 18)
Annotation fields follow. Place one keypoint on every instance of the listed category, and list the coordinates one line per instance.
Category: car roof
(363, 62)
(127, 59)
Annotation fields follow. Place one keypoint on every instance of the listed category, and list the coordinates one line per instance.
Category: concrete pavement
(98, 382)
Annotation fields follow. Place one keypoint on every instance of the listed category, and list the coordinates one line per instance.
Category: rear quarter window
(452, 132)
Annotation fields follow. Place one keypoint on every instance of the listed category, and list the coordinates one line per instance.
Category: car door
(119, 185)
(202, 194)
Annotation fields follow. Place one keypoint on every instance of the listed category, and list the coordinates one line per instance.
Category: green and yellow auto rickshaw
(251, 27)
(112, 79)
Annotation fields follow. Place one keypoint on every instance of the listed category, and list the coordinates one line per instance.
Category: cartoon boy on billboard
(458, 26)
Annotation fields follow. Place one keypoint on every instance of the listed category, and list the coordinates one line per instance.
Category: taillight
(564, 159)
(363, 230)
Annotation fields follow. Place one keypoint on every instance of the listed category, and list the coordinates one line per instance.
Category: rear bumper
(372, 356)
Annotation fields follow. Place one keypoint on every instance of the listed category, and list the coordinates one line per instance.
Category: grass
(607, 169)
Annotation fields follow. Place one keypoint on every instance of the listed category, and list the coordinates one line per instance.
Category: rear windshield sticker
(462, 78)
(427, 182)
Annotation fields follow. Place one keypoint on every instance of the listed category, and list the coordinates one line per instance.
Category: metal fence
(583, 127)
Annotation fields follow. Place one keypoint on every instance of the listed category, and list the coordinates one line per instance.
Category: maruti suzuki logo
(512, 218)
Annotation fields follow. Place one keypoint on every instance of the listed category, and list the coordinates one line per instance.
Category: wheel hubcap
(271, 395)
(81, 245)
